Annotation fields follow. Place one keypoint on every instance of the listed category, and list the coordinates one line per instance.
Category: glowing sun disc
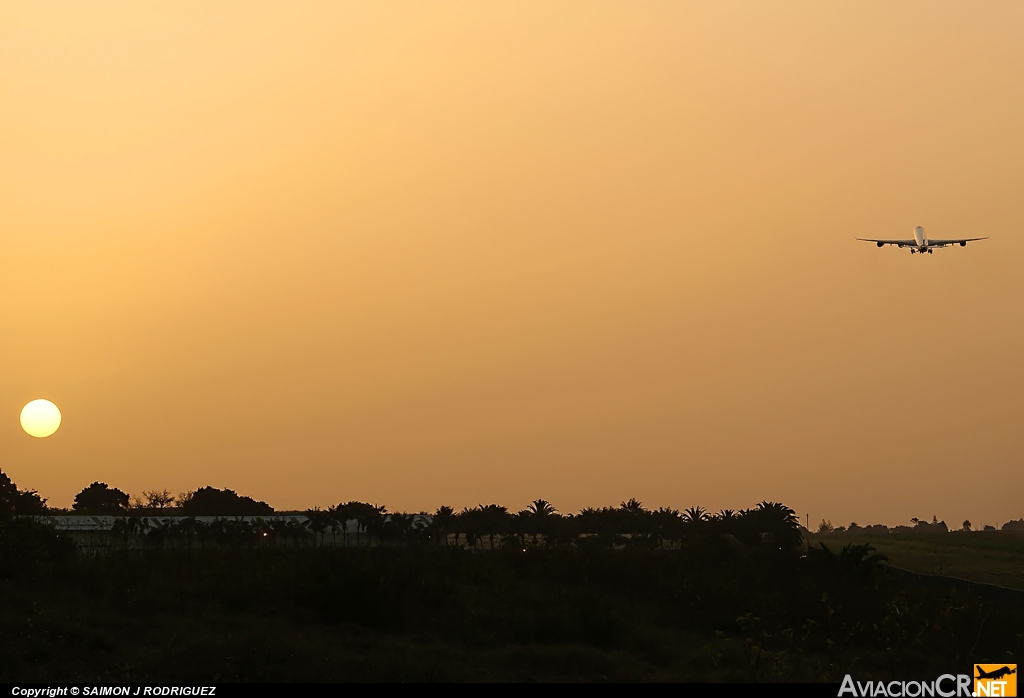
(40, 418)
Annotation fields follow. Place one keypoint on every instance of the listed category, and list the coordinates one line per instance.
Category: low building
(97, 532)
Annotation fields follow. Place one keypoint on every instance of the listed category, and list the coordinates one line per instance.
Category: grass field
(990, 557)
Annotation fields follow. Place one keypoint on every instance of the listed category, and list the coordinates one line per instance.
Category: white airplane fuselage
(922, 240)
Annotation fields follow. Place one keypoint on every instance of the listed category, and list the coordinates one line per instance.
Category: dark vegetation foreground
(705, 611)
(619, 594)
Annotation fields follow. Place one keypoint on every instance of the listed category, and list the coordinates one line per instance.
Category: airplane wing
(898, 243)
(962, 242)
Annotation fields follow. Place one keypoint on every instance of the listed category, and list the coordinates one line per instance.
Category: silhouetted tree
(538, 518)
(376, 520)
(369, 518)
(158, 500)
(493, 521)
(288, 531)
(470, 524)
(514, 534)
(771, 521)
(340, 515)
(441, 524)
(209, 501)
(99, 498)
(318, 521)
(727, 523)
(667, 524)
(541, 508)
(936, 526)
(966, 526)
(15, 501)
(852, 561)
(633, 519)
(602, 525)
(399, 525)
(696, 516)
(633, 507)
(130, 525)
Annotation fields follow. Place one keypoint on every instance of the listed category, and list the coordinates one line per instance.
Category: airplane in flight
(996, 674)
(921, 244)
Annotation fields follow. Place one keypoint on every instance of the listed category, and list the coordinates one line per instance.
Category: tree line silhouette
(100, 498)
(493, 525)
(490, 525)
(684, 594)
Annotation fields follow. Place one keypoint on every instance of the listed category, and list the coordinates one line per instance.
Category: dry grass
(990, 557)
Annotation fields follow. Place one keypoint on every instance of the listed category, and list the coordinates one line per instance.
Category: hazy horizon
(460, 254)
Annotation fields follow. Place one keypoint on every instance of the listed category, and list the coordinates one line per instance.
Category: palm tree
(420, 523)
(600, 524)
(369, 518)
(261, 531)
(129, 526)
(516, 526)
(726, 522)
(852, 561)
(666, 522)
(340, 515)
(375, 518)
(779, 521)
(187, 529)
(442, 522)
(538, 517)
(633, 506)
(541, 508)
(633, 517)
(318, 521)
(469, 523)
(696, 516)
(400, 524)
(291, 531)
(493, 521)
(157, 534)
(220, 531)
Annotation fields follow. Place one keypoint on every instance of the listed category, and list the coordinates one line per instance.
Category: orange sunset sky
(458, 253)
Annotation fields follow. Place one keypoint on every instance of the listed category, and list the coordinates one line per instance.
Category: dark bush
(100, 498)
(209, 501)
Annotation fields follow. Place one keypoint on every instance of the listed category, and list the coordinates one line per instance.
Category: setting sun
(40, 418)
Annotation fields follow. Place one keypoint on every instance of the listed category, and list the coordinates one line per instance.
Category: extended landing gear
(913, 252)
